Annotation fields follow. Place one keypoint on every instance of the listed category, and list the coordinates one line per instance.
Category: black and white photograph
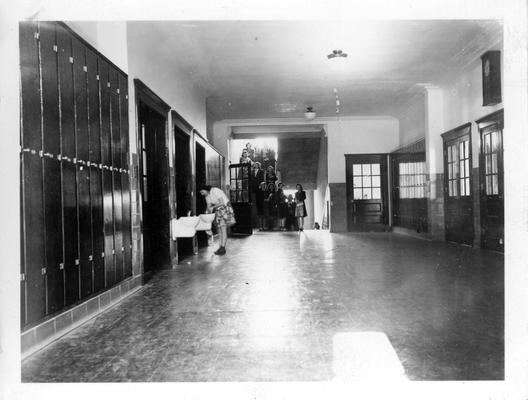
(264, 201)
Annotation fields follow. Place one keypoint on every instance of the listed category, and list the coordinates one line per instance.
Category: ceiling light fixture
(309, 113)
(337, 54)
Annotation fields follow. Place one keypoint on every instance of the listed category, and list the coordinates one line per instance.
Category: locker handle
(43, 271)
(76, 261)
(61, 266)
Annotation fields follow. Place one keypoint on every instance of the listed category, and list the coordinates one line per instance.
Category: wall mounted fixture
(309, 113)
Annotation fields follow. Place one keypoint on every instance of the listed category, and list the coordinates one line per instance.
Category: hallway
(270, 309)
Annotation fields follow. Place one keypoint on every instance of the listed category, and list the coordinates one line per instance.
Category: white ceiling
(273, 69)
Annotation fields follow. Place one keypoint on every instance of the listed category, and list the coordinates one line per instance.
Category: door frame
(384, 182)
(143, 94)
(495, 118)
(448, 136)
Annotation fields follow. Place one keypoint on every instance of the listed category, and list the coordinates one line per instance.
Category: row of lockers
(75, 180)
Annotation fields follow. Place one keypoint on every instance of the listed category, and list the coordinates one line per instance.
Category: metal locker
(118, 226)
(93, 106)
(67, 106)
(33, 281)
(115, 112)
(106, 145)
(50, 91)
(108, 229)
(30, 86)
(124, 132)
(71, 250)
(96, 197)
(54, 267)
(81, 101)
(127, 225)
(85, 231)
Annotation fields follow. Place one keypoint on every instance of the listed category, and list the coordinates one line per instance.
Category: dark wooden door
(183, 176)
(492, 182)
(458, 192)
(240, 197)
(366, 178)
(154, 188)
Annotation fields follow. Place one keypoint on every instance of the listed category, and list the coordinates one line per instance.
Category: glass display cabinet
(241, 197)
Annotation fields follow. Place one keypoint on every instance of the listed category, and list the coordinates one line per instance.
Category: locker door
(106, 145)
(116, 175)
(30, 86)
(93, 106)
(53, 231)
(50, 92)
(96, 194)
(69, 170)
(127, 236)
(106, 159)
(83, 172)
(34, 256)
(115, 119)
(125, 178)
(118, 226)
(96, 197)
(51, 169)
(108, 229)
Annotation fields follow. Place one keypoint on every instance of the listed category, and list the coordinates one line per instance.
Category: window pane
(450, 171)
(461, 147)
(488, 164)
(376, 181)
(367, 181)
(462, 188)
(455, 188)
(495, 141)
(489, 188)
(466, 149)
(145, 189)
(144, 162)
(357, 181)
(375, 169)
(356, 169)
(367, 195)
(450, 188)
(358, 194)
(468, 187)
(495, 182)
(487, 144)
(365, 169)
(376, 193)
(449, 155)
(462, 169)
(467, 168)
(494, 167)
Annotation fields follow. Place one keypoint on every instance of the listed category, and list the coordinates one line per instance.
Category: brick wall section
(435, 207)
(338, 209)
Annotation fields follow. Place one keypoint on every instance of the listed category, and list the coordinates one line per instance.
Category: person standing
(300, 207)
(291, 223)
(260, 196)
(257, 176)
(219, 204)
(282, 207)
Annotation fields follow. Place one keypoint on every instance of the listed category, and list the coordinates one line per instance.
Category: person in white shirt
(218, 203)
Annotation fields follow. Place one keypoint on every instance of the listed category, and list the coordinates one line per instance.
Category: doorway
(492, 181)
(153, 177)
(458, 193)
(201, 179)
(183, 176)
(366, 181)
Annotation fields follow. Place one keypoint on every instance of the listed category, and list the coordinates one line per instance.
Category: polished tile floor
(270, 309)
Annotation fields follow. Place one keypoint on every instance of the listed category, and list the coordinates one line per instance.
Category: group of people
(275, 209)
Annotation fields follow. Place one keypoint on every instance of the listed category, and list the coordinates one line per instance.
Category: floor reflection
(292, 307)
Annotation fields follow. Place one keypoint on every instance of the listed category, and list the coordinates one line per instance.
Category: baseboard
(40, 336)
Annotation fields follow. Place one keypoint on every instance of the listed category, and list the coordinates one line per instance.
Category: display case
(241, 197)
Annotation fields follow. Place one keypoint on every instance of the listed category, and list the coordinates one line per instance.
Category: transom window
(367, 181)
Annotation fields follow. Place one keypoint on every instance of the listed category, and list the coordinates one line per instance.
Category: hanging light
(309, 113)
(337, 54)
